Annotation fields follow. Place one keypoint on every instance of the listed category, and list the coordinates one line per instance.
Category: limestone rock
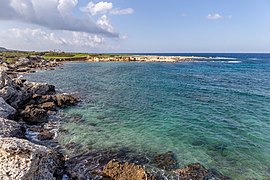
(6, 111)
(39, 88)
(197, 172)
(123, 171)
(65, 100)
(34, 114)
(21, 159)
(9, 128)
(166, 161)
(5, 80)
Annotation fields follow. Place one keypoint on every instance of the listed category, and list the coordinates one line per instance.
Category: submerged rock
(6, 111)
(65, 100)
(21, 159)
(198, 172)
(166, 161)
(45, 135)
(122, 171)
(9, 128)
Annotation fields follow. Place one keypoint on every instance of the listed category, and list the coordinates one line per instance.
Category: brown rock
(34, 114)
(166, 161)
(45, 135)
(65, 100)
(198, 172)
(48, 106)
(126, 171)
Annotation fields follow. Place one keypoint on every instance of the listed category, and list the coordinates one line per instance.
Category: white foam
(234, 61)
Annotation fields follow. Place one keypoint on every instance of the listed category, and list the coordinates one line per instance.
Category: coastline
(112, 163)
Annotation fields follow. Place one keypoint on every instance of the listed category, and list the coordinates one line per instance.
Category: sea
(215, 111)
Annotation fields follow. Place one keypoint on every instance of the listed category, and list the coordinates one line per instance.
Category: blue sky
(136, 25)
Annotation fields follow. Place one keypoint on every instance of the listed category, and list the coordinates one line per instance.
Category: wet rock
(65, 100)
(198, 172)
(45, 135)
(9, 128)
(89, 165)
(122, 171)
(34, 114)
(166, 161)
(21, 159)
(6, 111)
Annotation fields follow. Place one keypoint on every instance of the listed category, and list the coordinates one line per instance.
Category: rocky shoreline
(28, 149)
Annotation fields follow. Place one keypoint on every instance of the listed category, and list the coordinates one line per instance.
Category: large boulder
(34, 114)
(6, 111)
(5, 80)
(122, 171)
(62, 100)
(21, 159)
(9, 128)
(39, 88)
(197, 172)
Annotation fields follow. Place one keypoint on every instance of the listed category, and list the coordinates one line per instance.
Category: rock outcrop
(6, 111)
(122, 171)
(21, 159)
(9, 128)
(197, 172)
(166, 161)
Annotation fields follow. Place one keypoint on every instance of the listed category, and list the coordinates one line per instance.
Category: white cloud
(39, 39)
(53, 14)
(214, 16)
(101, 7)
(122, 11)
(104, 23)
(105, 8)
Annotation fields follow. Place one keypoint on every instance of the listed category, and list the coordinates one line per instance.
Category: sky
(136, 26)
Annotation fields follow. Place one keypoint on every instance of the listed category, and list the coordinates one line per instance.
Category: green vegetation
(12, 56)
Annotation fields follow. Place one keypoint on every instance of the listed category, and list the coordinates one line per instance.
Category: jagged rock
(34, 114)
(65, 100)
(6, 111)
(166, 161)
(5, 80)
(198, 172)
(39, 88)
(9, 128)
(21, 159)
(122, 171)
(49, 106)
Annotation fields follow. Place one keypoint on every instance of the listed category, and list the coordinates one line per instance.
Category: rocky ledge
(24, 106)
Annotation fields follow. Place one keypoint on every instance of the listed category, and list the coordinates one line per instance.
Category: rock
(7, 92)
(21, 159)
(39, 88)
(6, 111)
(45, 135)
(166, 161)
(197, 172)
(65, 100)
(34, 114)
(9, 128)
(5, 80)
(123, 171)
(49, 106)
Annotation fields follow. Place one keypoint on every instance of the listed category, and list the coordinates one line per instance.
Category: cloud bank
(59, 15)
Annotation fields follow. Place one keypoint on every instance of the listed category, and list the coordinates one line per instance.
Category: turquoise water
(216, 112)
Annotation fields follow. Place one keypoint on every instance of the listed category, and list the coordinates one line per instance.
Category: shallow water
(216, 112)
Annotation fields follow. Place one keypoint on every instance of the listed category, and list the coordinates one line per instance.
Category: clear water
(216, 112)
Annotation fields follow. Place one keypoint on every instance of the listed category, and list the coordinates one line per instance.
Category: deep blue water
(216, 111)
